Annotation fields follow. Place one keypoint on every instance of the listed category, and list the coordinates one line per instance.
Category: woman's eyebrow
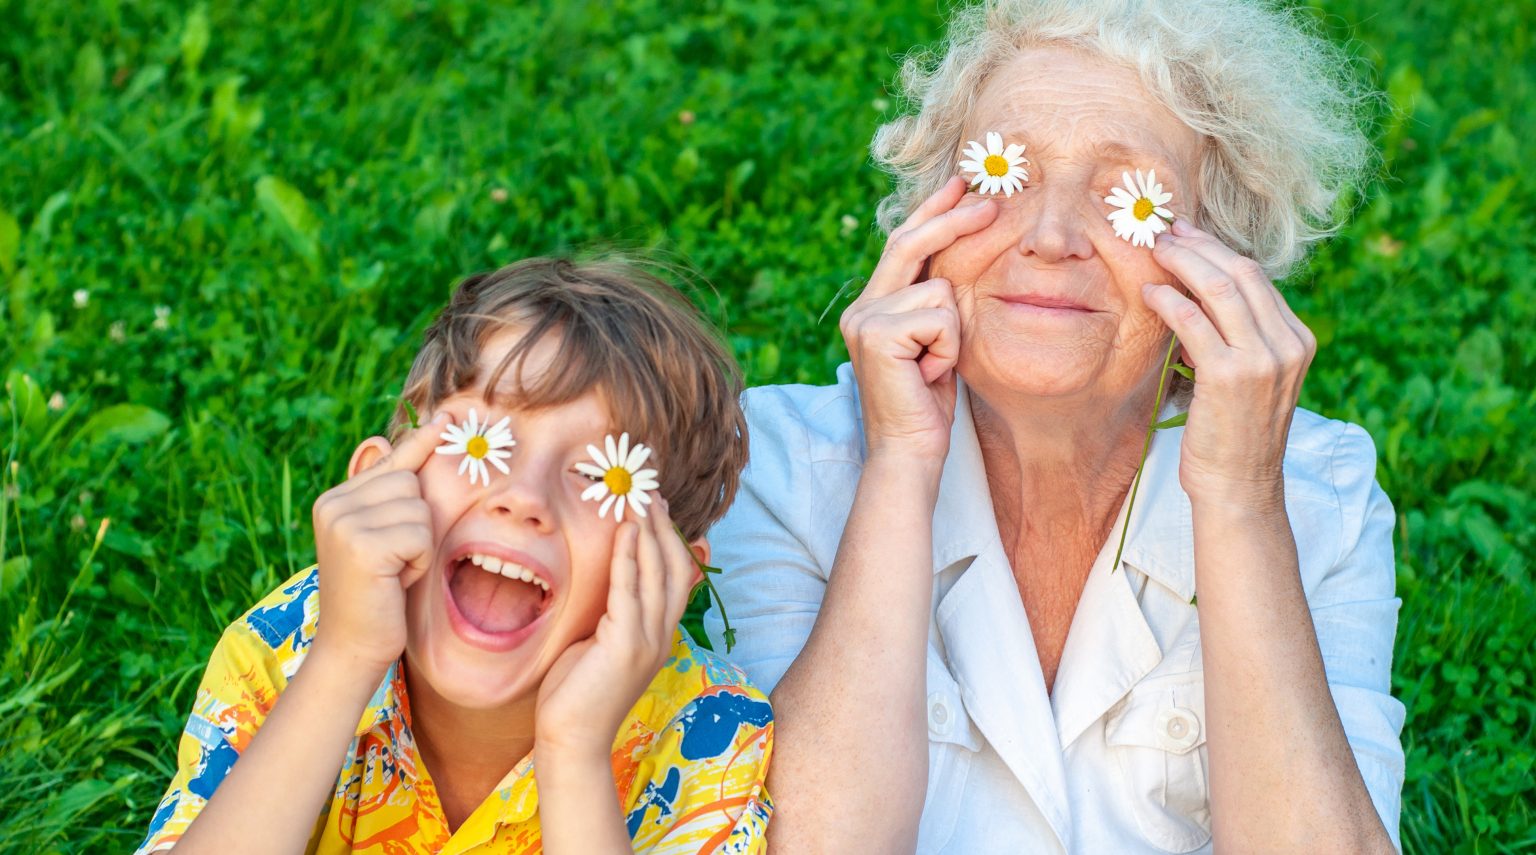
(1118, 150)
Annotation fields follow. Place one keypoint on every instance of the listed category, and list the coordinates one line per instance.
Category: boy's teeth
(509, 569)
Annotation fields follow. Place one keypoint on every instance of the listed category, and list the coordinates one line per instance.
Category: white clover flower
(82, 298)
(478, 443)
(619, 478)
(995, 167)
(1139, 215)
(162, 318)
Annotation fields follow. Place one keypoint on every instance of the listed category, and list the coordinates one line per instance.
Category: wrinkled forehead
(1072, 103)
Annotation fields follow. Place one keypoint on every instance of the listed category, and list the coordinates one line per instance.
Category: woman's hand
(903, 334)
(593, 684)
(1251, 353)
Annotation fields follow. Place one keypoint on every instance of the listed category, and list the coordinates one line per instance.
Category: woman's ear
(369, 452)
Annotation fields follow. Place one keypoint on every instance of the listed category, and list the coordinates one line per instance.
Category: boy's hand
(374, 539)
(593, 684)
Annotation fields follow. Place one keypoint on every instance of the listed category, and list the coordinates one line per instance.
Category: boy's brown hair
(667, 378)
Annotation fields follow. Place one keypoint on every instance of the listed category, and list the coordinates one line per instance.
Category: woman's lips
(1041, 306)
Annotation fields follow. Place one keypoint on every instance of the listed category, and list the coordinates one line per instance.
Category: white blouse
(1114, 760)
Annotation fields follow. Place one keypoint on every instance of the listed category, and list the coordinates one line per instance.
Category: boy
(497, 655)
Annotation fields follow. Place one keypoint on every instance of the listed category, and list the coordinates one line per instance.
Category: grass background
(261, 203)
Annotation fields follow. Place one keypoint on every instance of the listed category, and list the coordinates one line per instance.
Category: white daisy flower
(620, 480)
(479, 443)
(996, 168)
(1139, 215)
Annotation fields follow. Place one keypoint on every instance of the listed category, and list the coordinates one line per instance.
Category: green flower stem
(1146, 446)
(706, 571)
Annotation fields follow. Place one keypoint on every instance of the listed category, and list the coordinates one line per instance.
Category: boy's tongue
(492, 602)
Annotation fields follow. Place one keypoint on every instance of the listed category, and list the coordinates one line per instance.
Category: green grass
(299, 184)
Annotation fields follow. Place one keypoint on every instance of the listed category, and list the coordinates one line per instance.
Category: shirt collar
(388, 713)
(1159, 542)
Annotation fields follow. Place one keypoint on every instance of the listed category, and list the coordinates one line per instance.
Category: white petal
(637, 457)
(641, 496)
(473, 424)
(451, 449)
(602, 462)
(596, 491)
(1163, 212)
(644, 484)
(613, 451)
(635, 505)
(588, 469)
(976, 151)
(980, 176)
(623, 446)
(496, 461)
(994, 142)
(1012, 152)
(1130, 185)
(618, 510)
(464, 464)
(607, 503)
(1007, 187)
(972, 166)
(1126, 199)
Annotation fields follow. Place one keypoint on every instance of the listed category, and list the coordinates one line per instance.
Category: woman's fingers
(942, 200)
(1264, 299)
(1217, 290)
(1199, 336)
(909, 249)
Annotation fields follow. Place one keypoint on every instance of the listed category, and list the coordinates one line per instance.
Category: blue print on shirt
(710, 723)
(277, 623)
(212, 767)
(654, 796)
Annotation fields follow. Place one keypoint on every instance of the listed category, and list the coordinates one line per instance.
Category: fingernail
(1182, 226)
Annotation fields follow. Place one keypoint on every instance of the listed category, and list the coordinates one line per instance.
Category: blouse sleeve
(1354, 610)
(772, 582)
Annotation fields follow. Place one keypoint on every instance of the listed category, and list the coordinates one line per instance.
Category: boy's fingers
(653, 575)
(682, 575)
(415, 448)
(623, 578)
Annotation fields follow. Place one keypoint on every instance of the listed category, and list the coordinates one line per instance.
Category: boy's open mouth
(495, 595)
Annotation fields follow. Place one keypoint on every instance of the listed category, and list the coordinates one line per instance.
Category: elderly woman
(928, 548)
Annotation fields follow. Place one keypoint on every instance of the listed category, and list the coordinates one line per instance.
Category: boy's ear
(369, 452)
(700, 550)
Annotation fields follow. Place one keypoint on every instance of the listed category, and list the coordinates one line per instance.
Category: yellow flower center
(477, 447)
(618, 480)
(996, 165)
(1143, 208)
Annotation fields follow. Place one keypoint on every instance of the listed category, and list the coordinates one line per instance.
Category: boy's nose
(522, 497)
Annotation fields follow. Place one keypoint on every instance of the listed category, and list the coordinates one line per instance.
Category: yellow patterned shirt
(688, 763)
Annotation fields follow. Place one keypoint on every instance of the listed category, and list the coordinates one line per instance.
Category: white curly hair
(1281, 109)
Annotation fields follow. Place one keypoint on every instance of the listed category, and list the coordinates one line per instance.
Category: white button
(1178, 728)
(938, 713)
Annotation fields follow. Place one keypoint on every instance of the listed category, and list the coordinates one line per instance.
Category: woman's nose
(1054, 226)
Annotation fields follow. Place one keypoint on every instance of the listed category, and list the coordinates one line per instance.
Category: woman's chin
(1032, 369)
